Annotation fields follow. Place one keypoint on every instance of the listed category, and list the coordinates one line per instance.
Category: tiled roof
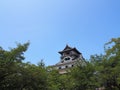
(68, 48)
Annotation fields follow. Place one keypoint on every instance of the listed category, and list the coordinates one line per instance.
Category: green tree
(84, 77)
(16, 75)
(9, 65)
(111, 64)
(53, 79)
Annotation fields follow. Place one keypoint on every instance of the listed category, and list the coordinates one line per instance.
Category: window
(67, 58)
(62, 61)
(67, 53)
(66, 66)
(59, 67)
(72, 65)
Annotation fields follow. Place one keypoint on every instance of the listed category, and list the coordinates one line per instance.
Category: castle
(69, 58)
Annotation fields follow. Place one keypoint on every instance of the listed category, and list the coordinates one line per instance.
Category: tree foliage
(16, 75)
(100, 71)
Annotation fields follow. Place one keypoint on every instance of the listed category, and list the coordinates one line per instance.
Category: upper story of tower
(69, 58)
(69, 54)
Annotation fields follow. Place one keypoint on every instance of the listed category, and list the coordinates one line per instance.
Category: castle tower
(69, 58)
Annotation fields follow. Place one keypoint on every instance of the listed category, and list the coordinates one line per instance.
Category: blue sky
(51, 24)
